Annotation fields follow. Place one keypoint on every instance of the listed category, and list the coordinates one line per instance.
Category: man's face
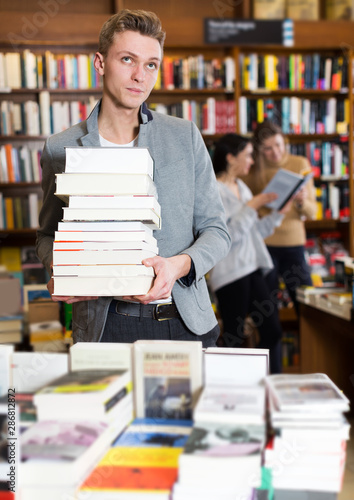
(130, 68)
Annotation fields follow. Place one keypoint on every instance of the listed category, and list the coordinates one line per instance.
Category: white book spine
(44, 103)
(33, 209)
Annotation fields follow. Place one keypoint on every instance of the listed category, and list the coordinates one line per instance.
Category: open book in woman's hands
(286, 184)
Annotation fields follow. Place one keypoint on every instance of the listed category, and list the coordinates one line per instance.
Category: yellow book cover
(130, 456)
(302, 9)
(158, 81)
(9, 213)
(10, 257)
(339, 9)
(260, 110)
(319, 211)
(269, 9)
(39, 71)
(45, 336)
(246, 72)
(270, 64)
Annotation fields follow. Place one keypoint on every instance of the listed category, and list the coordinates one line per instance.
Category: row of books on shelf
(53, 71)
(329, 160)
(20, 164)
(44, 117)
(298, 9)
(293, 72)
(167, 420)
(22, 263)
(296, 115)
(196, 72)
(19, 212)
(211, 116)
(333, 201)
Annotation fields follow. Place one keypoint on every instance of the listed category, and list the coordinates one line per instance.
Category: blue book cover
(150, 432)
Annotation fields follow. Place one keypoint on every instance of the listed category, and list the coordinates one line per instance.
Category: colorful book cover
(140, 460)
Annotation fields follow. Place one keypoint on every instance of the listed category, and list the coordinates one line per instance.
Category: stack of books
(306, 414)
(106, 231)
(79, 415)
(141, 464)
(223, 455)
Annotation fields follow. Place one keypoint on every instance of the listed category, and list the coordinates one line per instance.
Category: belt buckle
(156, 311)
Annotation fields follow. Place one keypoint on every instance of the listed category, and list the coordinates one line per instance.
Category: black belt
(159, 312)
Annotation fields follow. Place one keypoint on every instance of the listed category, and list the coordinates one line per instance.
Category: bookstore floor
(347, 492)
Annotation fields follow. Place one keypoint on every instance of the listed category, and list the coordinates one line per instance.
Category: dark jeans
(250, 296)
(290, 263)
(120, 328)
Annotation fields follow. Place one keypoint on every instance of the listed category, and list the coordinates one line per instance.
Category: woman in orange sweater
(286, 244)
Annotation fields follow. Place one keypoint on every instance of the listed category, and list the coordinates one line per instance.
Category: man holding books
(193, 235)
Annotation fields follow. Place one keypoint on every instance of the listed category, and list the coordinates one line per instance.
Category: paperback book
(231, 404)
(62, 452)
(109, 160)
(306, 393)
(167, 377)
(285, 184)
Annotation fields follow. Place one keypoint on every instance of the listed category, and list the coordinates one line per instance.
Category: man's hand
(168, 271)
(62, 298)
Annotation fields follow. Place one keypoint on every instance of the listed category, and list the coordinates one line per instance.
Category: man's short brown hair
(144, 22)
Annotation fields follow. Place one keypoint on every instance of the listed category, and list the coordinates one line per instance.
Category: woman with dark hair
(286, 244)
(238, 280)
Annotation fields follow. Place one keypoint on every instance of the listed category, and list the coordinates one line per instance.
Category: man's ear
(99, 63)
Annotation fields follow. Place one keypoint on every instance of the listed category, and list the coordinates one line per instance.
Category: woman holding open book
(286, 244)
(238, 279)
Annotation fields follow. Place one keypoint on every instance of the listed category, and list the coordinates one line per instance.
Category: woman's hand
(300, 196)
(261, 199)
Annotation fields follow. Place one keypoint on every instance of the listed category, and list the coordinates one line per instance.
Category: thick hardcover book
(104, 236)
(104, 245)
(306, 393)
(115, 202)
(232, 404)
(102, 286)
(147, 216)
(168, 378)
(109, 160)
(113, 271)
(285, 184)
(102, 226)
(80, 257)
(104, 184)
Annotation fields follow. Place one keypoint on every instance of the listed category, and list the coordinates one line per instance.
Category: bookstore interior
(130, 421)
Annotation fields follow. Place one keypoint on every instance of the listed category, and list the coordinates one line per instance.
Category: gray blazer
(193, 219)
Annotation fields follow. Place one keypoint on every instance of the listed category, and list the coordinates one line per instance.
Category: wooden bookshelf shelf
(324, 224)
(15, 185)
(221, 91)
